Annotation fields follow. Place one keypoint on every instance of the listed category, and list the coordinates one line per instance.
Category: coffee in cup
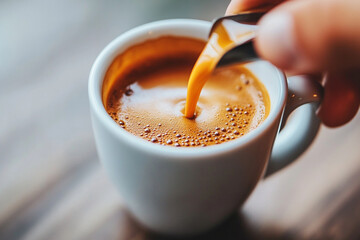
(148, 97)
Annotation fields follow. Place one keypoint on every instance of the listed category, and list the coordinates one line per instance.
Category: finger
(237, 6)
(311, 36)
(341, 99)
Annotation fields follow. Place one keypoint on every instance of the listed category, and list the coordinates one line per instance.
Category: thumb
(237, 6)
(311, 35)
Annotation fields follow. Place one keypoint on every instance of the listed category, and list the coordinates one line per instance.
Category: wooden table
(51, 183)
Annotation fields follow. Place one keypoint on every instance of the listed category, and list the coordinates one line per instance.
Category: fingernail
(275, 40)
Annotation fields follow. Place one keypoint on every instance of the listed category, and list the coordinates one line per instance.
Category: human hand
(317, 37)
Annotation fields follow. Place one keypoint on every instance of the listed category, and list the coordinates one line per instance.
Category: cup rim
(130, 38)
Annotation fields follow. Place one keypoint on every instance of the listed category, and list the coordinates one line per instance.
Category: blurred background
(51, 183)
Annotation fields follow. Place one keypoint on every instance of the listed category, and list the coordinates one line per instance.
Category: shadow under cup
(182, 190)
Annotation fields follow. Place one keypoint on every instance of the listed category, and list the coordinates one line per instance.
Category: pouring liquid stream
(226, 35)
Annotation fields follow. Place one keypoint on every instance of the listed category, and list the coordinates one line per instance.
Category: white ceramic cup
(189, 190)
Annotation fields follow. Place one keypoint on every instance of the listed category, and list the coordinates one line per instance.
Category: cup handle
(297, 132)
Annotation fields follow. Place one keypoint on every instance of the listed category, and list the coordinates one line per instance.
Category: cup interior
(273, 79)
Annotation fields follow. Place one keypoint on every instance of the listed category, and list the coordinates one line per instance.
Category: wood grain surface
(51, 183)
